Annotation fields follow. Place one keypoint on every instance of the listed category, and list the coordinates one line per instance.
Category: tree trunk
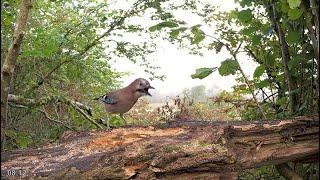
(9, 63)
(175, 150)
(285, 57)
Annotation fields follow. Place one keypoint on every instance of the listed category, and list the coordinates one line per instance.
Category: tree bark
(175, 150)
(9, 63)
(285, 57)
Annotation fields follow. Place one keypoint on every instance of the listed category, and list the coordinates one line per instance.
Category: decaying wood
(177, 149)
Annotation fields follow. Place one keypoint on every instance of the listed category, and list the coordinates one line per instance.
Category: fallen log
(177, 149)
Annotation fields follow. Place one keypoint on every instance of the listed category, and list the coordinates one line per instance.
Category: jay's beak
(150, 87)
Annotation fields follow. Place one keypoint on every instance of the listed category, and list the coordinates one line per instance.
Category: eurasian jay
(122, 100)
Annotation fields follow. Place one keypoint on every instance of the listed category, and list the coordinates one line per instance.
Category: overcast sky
(177, 65)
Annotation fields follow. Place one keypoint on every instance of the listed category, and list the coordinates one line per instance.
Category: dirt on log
(177, 149)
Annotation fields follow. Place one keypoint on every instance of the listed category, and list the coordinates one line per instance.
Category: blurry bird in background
(122, 100)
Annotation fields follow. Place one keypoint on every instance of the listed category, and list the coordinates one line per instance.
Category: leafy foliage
(259, 71)
(161, 25)
(202, 73)
(228, 67)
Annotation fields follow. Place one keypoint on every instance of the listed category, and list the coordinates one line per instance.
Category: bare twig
(44, 113)
(234, 54)
(45, 100)
(85, 115)
(53, 120)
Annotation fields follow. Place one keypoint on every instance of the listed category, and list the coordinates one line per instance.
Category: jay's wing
(110, 98)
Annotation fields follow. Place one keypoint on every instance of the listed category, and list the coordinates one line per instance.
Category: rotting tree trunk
(9, 63)
(178, 149)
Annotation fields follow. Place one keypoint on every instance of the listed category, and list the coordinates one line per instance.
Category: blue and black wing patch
(108, 100)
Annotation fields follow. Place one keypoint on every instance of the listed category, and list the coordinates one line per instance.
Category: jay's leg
(108, 116)
(125, 121)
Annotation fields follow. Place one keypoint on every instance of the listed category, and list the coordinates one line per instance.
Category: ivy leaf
(203, 72)
(294, 3)
(198, 34)
(161, 25)
(244, 15)
(259, 71)
(228, 67)
(294, 13)
(293, 37)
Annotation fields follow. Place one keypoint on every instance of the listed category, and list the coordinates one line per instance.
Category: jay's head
(141, 87)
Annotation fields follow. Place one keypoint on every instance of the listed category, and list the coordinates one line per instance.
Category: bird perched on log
(122, 100)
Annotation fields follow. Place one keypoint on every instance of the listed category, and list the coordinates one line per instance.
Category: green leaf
(202, 73)
(215, 45)
(22, 141)
(175, 32)
(244, 15)
(255, 39)
(259, 71)
(249, 31)
(198, 34)
(282, 101)
(294, 3)
(269, 60)
(262, 84)
(294, 13)
(218, 46)
(11, 133)
(294, 63)
(244, 3)
(284, 6)
(280, 77)
(228, 67)
(293, 37)
(161, 25)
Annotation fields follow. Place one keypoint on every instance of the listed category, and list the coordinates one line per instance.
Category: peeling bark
(175, 150)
